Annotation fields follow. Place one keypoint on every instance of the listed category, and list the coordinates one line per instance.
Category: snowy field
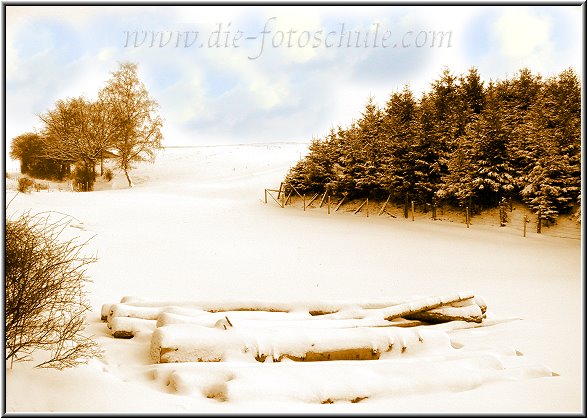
(195, 228)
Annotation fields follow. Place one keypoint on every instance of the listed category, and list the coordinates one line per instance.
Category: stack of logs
(211, 320)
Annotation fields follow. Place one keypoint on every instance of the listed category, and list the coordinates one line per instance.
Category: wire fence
(508, 214)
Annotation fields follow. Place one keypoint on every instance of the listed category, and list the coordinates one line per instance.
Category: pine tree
(516, 97)
(431, 153)
(401, 130)
(447, 110)
(552, 177)
(368, 150)
(492, 177)
(461, 181)
(315, 171)
(472, 92)
(457, 185)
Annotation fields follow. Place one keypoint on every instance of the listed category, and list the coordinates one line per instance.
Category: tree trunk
(417, 306)
(130, 183)
(467, 311)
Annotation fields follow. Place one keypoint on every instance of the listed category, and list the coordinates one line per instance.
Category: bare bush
(108, 175)
(46, 303)
(25, 184)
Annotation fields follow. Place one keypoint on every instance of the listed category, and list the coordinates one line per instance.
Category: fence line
(512, 220)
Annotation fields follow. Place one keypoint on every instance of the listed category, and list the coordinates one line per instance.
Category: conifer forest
(464, 142)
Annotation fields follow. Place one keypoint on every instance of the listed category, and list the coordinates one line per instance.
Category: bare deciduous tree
(77, 130)
(138, 126)
(46, 303)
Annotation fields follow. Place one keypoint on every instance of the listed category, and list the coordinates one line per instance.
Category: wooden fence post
(361, 206)
(323, 197)
(467, 216)
(265, 195)
(412, 211)
(470, 207)
(525, 222)
(304, 200)
(329, 204)
(339, 203)
(312, 199)
(406, 207)
(384, 205)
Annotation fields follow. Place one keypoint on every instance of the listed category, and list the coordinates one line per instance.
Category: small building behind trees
(29, 149)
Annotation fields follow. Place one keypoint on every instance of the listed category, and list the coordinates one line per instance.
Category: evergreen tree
(314, 172)
(368, 151)
(492, 171)
(516, 97)
(472, 92)
(461, 180)
(552, 175)
(430, 152)
(401, 130)
(447, 106)
(458, 184)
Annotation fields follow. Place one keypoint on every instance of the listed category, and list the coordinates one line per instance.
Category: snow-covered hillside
(195, 227)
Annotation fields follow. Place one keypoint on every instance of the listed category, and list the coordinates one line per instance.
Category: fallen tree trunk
(417, 306)
(467, 311)
(182, 343)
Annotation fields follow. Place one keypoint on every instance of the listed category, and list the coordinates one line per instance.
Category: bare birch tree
(137, 123)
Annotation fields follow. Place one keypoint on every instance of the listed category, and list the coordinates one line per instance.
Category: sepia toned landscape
(206, 243)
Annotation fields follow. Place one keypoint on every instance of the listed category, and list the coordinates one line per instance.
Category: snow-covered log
(179, 343)
(105, 311)
(125, 327)
(374, 313)
(467, 311)
(414, 307)
(122, 310)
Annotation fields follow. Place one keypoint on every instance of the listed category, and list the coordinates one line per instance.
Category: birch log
(414, 307)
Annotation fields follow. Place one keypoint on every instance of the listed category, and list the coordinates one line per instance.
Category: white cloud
(107, 54)
(522, 35)
(285, 93)
(296, 28)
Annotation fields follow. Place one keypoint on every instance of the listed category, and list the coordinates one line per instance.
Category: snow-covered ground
(196, 228)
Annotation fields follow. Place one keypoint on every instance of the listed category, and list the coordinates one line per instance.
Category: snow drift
(195, 228)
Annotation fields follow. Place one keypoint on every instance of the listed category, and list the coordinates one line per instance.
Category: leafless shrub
(25, 184)
(108, 175)
(45, 299)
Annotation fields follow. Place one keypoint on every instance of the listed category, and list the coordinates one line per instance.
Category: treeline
(462, 142)
(122, 124)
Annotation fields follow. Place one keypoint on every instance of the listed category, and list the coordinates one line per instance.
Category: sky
(248, 74)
